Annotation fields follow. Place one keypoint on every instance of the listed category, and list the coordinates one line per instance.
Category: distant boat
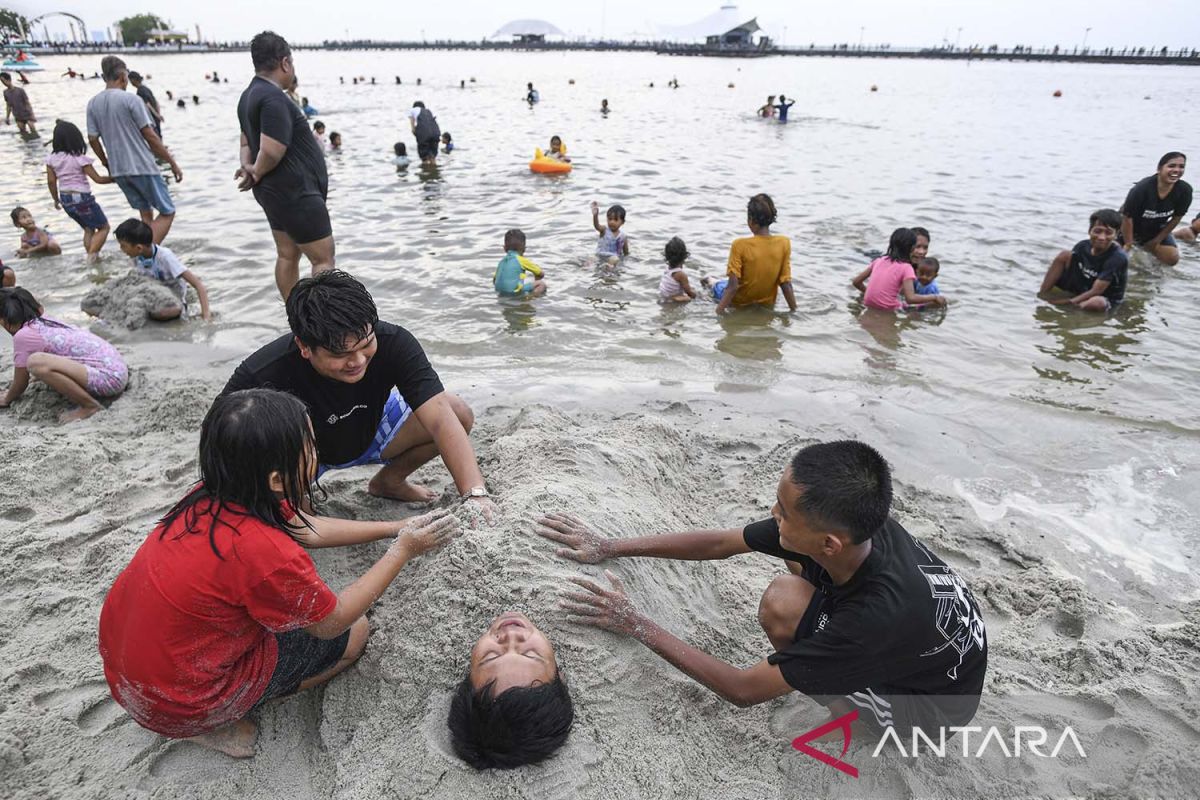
(21, 61)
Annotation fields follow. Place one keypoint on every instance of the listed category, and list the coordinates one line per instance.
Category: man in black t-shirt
(868, 618)
(143, 91)
(1094, 271)
(283, 164)
(372, 396)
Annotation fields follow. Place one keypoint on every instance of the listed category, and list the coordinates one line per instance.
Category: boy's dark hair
(844, 486)
(761, 210)
(329, 307)
(522, 725)
(134, 231)
(5, 76)
(615, 211)
(933, 262)
(418, 104)
(555, 138)
(400, 149)
(676, 252)
(334, 135)
(514, 239)
(1169, 156)
(16, 212)
(267, 50)
(318, 125)
(135, 76)
(901, 244)
(1106, 217)
(111, 68)
(919, 231)
(446, 135)
(304, 100)
(17, 305)
(245, 437)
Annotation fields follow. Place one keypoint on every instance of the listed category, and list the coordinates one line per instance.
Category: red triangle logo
(801, 743)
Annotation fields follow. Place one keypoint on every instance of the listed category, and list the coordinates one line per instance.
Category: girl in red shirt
(221, 607)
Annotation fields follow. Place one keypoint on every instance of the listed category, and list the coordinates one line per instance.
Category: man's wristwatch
(475, 491)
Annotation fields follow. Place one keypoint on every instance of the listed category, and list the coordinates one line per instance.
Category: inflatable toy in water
(548, 166)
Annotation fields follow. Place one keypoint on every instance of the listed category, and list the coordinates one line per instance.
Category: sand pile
(642, 729)
(128, 300)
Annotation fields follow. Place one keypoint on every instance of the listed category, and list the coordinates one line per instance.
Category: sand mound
(128, 300)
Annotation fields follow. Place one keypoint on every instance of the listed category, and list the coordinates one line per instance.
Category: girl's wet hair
(1162, 162)
(676, 252)
(761, 210)
(901, 244)
(16, 212)
(68, 139)
(400, 148)
(245, 438)
(18, 306)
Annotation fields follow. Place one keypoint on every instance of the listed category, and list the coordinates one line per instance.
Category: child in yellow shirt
(759, 265)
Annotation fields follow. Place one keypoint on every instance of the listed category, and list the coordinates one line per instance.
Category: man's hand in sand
(424, 533)
(481, 511)
(582, 544)
(609, 609)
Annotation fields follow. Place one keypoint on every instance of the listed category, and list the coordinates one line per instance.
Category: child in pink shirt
(892, 277)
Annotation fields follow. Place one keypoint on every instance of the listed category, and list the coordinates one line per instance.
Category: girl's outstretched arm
(95, 176)
(913, 299)
(20, 383)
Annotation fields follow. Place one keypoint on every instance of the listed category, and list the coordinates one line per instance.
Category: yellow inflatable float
(548, 165)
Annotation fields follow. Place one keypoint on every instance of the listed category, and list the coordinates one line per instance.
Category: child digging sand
(515, 275)
(34, 240)
(673, 287)
(75, 363)
(158, 262)
(68, 168)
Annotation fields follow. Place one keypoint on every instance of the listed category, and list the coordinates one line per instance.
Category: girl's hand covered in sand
(609, 609)
(424, 533)
(582, 544)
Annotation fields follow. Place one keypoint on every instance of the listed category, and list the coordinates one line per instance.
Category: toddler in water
(335, 141)
(400, 159)
(76, 363)
(68, 168)
(517, 276)
(319, 135)
(673, 287)
(892, 277)
(558, 149)
(156, 261)
(613, 243)
(34, 240)
(447, 143)
(927, 274)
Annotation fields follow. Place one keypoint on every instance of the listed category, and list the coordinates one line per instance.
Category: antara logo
(801, 743)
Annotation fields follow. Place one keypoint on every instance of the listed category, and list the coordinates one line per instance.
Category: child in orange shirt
(759, 265)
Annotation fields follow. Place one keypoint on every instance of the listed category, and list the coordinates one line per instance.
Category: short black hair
(16, 212)
(615, 211)
(933, 262)
(555, 136)
(522, 725)
(135, 76)
(318, 125)
(676, 252)
(418, 104)
(401, 149)
(761, 210)
(919, 231)
(18, 306)
(5, 76)
(267, 50)
(328, 307)
(901, 244)
(845, 486)
(134, 231)
(1106, 217)
(111, 68)
(1169, 157)
(514, 239)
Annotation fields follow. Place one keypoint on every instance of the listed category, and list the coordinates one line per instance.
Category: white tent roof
(715, 24)
(528, 27)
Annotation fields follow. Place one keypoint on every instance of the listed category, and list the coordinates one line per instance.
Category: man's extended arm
(438, 417)
(582, 544)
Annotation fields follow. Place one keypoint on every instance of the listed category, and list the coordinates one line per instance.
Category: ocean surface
(1080, 431)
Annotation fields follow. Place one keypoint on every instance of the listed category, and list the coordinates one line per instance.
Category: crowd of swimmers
(194, 642)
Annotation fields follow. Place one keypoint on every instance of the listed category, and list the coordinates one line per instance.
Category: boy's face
(24, 220)
(926, 274)
(348, 365)
(512, 652)
(555, 144)
(1101, 236)
(795, 532)
(615, 223)
(920, 249)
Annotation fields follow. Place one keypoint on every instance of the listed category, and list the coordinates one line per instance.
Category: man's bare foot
(76, 414)
(236, 740)
(400, 490)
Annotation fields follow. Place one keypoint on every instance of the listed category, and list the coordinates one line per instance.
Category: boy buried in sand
(1093, 272)
(76, 363)
(373, 396)
(866, 619)
(221, 608)
(513, 707)
(35, 241)
(516, 275)
(156, 261)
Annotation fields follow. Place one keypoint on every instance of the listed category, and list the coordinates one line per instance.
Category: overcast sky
(1174, 23)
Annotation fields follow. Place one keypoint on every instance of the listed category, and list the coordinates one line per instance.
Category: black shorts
(301, 656)
(427, 148)
(874, 708)
(304, 219)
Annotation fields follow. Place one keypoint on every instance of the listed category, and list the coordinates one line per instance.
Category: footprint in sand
(88, 705)
(19, 514)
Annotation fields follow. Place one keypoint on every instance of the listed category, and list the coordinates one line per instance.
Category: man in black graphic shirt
(372, 396)
(867, 618)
